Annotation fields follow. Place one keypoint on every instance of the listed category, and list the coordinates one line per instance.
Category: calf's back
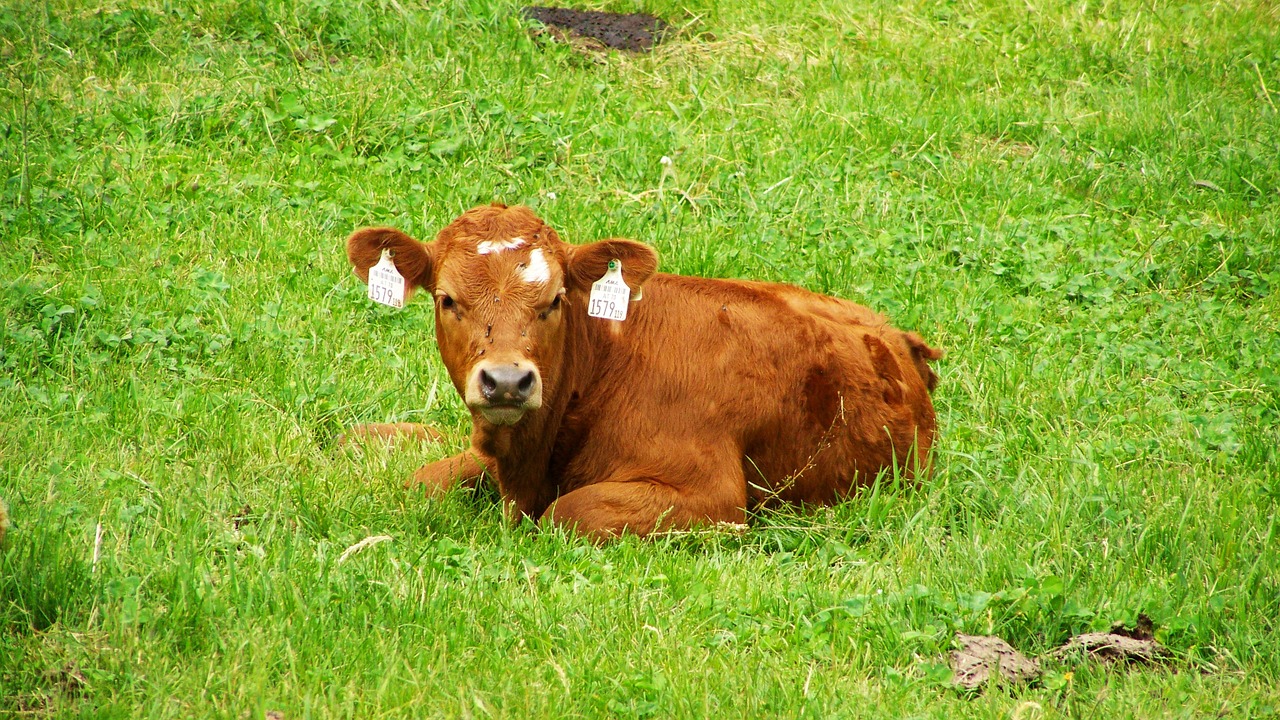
(810, 396)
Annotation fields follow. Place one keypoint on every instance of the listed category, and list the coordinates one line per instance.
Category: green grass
(1079, 201)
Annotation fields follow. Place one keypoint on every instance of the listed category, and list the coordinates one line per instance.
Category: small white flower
(665, 160)
(551, 196)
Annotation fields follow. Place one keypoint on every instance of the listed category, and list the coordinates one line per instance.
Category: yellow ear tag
(609, 295)
(386, 284)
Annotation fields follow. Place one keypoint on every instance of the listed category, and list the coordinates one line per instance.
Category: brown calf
(710, 397)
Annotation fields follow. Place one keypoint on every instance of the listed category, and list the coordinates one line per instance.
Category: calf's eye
(446, 302)
(555, 305)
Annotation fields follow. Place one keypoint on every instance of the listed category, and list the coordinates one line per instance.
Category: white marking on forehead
(488, 246)
(538, 271)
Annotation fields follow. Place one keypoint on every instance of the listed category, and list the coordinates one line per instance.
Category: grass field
(1079, 201)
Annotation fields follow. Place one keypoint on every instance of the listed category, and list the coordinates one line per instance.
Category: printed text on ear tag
(386, 285)
(609, 295)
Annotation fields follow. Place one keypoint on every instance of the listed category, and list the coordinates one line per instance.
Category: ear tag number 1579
(386, 284)
(609, 295)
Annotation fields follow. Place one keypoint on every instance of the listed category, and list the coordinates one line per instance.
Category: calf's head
(507, 291)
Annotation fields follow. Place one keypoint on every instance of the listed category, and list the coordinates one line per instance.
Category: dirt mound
(979, 656)
(1135, 644)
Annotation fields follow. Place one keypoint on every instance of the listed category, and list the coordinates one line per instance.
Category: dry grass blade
(367, 542)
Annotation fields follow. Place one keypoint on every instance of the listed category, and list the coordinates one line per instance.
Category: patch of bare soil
(637, 32)
(68, 679)
(243, 517)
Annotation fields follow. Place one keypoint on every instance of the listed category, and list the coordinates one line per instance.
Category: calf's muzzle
(503, 391)
(507, 384)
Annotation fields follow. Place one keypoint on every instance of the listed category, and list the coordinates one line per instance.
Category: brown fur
(389, 433)
(713, 396)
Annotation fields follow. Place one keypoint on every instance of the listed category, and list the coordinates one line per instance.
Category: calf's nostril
(507, 384)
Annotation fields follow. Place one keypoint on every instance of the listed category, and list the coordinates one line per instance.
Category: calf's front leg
(609, 509)
(464, 469)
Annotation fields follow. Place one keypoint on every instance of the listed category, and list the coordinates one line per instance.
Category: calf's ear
(413, 259)
(588, 263)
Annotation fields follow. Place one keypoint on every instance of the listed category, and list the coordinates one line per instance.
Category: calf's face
(503, 284)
